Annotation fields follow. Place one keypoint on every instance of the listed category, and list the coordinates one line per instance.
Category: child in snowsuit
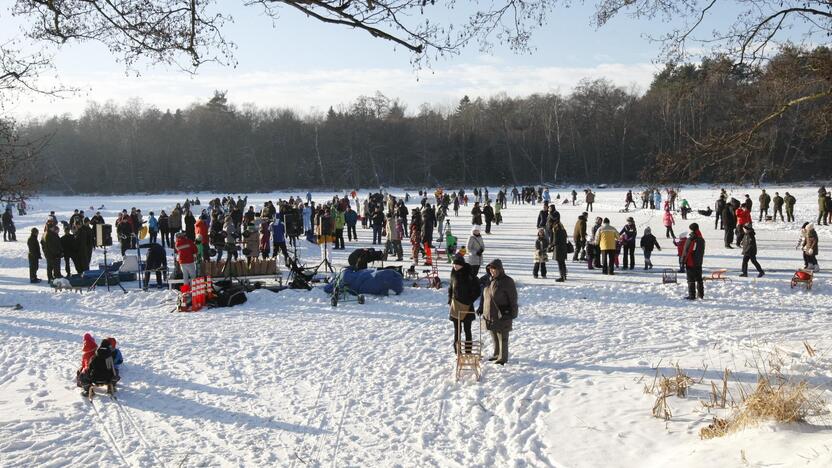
(541, 246)
(450, 243)
(118, 359)
(668, 223)
(87, 353)
(680, 248)
(648, 242)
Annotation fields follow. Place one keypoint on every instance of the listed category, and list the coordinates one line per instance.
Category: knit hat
(459, 260)
(647, 230)
(694, 227)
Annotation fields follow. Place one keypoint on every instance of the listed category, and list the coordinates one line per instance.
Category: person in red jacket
(87, 353)
(743, 217)
(201, 228)
(694, 257)
(186, 256)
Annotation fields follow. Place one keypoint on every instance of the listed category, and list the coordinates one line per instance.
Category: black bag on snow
(231, 296)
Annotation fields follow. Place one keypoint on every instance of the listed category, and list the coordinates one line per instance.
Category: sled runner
(804, 278)
(669, 276)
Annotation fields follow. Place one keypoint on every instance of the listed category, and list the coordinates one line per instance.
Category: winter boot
(691, 290)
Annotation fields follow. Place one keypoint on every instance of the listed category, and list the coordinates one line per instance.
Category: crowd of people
(229, 227)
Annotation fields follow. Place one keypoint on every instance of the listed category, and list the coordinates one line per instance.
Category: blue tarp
(376, 282)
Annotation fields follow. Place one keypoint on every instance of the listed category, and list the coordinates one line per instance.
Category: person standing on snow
(765, 201)
(629, 234)
(500, 309)
(463, 291)
(590, 199)
(559, 239)
(668, 224)
(475, 249)
(694, 251)
(593, 251)
(809, 245)
(648, 242)
(476, 215)
(789, 201)
(607, 236)
(579, 236)
(743, 217)
(749, 251)
(719, 207)
(488, 214)
(186, 256)
(541, 247)
(34, 256)
(777, 201)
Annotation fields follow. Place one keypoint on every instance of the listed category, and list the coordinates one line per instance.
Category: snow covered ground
(287, 380)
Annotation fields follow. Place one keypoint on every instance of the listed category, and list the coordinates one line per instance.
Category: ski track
(287, 380)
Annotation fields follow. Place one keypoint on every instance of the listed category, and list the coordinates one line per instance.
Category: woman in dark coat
(561, 251)
(476, 215)
(499, 299)
(463, 291)
(164, 229)
(190, 223)
(488, 212)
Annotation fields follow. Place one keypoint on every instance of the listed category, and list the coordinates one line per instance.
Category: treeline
(691, 125)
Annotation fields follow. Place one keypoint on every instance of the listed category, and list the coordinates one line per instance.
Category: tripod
(106, 275)
(325, 261)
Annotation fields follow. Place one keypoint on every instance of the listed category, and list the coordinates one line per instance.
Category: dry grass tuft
(664, 387)
(774, 398)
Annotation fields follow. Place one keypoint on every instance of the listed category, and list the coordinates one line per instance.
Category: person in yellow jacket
(340, 222)
(607, 236)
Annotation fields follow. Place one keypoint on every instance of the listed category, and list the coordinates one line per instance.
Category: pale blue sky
(307, 66)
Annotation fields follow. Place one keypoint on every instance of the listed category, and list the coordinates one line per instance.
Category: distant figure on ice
(765, 201)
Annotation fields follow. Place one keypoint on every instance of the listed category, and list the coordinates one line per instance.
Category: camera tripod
(325, 260)
(106, 275)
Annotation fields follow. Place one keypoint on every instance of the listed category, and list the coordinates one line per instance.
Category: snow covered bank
(286, 380)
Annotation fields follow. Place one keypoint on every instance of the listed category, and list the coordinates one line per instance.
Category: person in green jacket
(450, 242)
(789, 201)
(777, 203)
(765, 200)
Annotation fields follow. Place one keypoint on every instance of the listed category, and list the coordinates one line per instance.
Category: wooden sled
(803, 277)
(717, 275)
(468, 359)
(669, 276)
(109, 386)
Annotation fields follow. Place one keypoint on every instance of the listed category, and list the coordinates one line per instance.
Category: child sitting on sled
(99, 365)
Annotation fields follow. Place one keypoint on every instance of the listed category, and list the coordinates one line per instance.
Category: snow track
(287, 380)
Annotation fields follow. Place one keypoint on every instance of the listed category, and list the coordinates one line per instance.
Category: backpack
(101, 368)
(231, 296)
